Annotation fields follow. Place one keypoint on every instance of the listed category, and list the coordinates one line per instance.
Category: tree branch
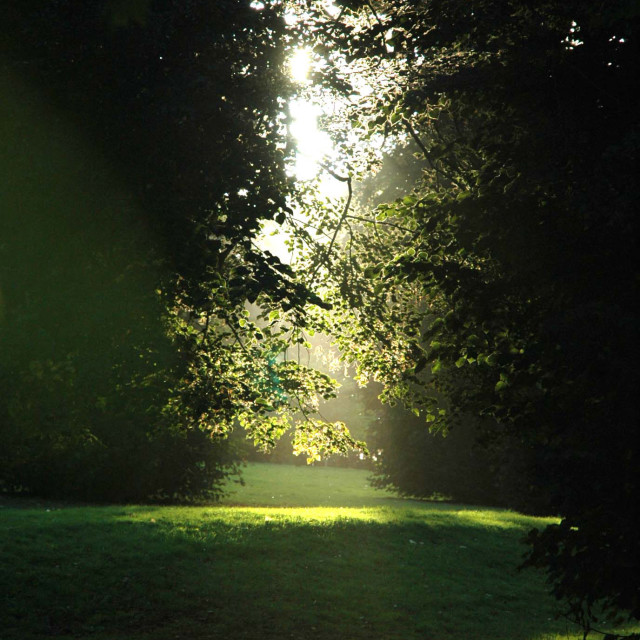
(427, 155)
(343, 217)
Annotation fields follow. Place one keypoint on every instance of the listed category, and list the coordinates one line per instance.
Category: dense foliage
(143, 144)
(415, 461)
(503, 285)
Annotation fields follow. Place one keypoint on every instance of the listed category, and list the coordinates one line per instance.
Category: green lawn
(299, 552)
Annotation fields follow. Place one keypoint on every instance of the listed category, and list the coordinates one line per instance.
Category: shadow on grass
(167, 572)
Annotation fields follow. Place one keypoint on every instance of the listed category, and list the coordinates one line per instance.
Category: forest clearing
(346, 561)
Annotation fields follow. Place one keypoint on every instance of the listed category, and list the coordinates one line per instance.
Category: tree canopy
(147, 141)
(502, 284)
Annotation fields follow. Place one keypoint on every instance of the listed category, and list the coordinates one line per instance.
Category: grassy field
(299, 552)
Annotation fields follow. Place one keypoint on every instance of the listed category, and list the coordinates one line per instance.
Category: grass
(296, 553)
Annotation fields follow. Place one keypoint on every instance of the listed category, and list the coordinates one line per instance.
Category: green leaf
(503, 383)
(492, 359)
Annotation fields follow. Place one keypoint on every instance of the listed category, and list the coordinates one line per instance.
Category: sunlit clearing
(300, 65)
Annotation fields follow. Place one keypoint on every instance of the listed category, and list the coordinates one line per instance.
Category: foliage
(347, 407)
(415, 461)
(503, 285)
(146, 143)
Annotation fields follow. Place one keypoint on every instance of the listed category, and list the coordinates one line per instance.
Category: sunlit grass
(306, 486)
(337, 565)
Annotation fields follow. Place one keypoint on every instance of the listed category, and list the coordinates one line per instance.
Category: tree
(148, 141)
(416, 461)
(507, 274)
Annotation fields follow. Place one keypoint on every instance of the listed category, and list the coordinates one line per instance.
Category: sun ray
(300, 66)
